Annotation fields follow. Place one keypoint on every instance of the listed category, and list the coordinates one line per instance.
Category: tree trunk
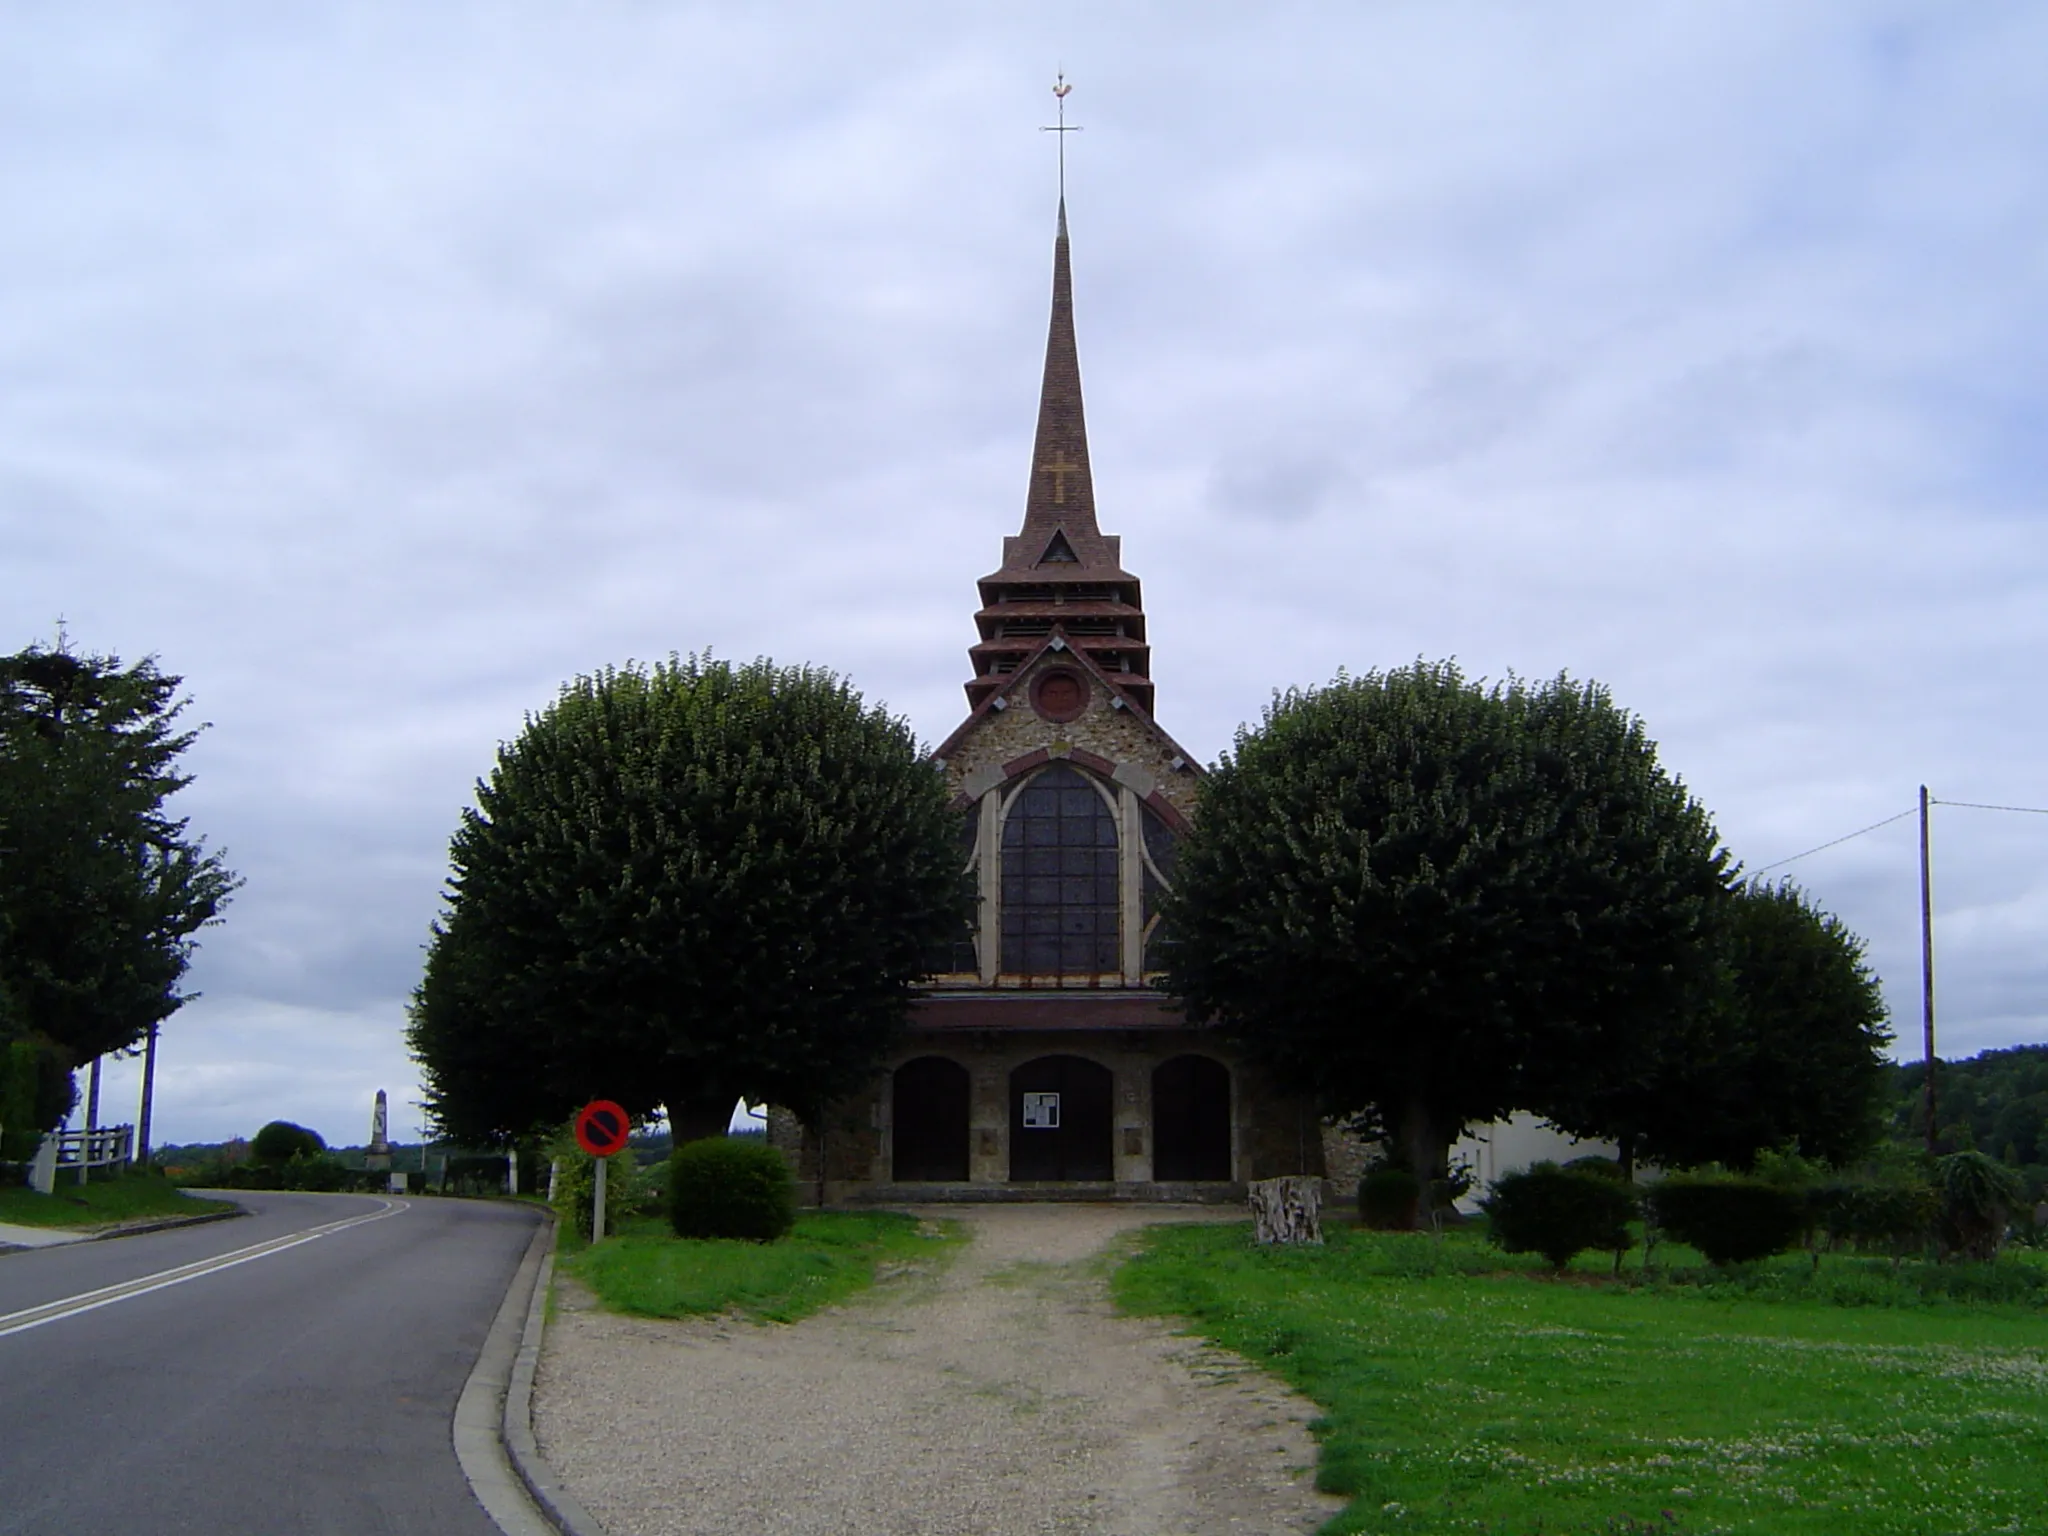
(1627, 1156)
(1287, 1210)
(1422, 1140)
(697, 1115)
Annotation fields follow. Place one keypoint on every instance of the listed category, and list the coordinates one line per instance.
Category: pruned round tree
(282, 1140)
(682, 885)
(1430, 901)
(1789, 1052)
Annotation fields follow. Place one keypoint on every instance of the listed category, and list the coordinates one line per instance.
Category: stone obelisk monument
(378, 1158)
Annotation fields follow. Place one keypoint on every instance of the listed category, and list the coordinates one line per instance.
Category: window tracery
(1060, 897)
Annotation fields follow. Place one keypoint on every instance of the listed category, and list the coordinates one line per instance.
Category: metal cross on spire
(1062, 128)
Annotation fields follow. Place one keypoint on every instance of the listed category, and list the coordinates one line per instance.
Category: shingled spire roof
(1061, 574)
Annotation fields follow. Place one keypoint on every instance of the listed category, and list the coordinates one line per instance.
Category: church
(1042, 1061)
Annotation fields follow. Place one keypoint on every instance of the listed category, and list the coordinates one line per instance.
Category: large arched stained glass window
(1060, 885)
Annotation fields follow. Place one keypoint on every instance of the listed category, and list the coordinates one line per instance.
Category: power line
(1845, 837)
(1972, 805)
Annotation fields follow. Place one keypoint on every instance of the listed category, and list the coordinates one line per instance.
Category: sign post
(601, 1130)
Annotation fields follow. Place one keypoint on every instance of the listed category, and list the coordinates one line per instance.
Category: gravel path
(1001, 1396)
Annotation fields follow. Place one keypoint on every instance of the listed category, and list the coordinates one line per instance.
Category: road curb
(546, 1489)
(166, 1224)
(58, 1237)
(478, 1430)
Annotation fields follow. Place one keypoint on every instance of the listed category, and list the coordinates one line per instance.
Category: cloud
(381, 372)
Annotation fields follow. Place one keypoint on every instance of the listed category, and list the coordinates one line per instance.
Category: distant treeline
(1996, 1103)
(647, 1149)
(192, 1154)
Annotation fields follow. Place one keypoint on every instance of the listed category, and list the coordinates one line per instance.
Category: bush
(576, 1183)
(1728, 1217)
(476, 1174)
(1560, 1212)
(651, 1182)
(321, 1174)
(730, 1187)
(281, 1141)
(1387, 1197)
(1599, 1167)
(1978, 1198)
(1894, 1216)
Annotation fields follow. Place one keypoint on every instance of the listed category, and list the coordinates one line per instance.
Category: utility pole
(92, 1118)
(148, 1098)
(1927, 963)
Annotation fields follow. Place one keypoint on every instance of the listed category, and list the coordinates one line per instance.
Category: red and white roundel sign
(602, 1128)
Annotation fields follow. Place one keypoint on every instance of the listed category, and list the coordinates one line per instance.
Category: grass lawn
(1465, 1391)
(103, 1202)
(830, 1255)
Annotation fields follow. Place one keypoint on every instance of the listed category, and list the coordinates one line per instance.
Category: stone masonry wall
(1272, 1133)
(1117, 735)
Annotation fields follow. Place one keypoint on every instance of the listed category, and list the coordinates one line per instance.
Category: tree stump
(1288, 1210)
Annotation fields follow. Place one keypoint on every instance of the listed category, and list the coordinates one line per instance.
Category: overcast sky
(378, 368)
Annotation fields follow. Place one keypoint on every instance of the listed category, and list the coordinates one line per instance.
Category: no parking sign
(602, 1128)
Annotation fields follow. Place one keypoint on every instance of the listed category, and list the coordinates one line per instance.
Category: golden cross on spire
(1059, 469)
(1062, 128)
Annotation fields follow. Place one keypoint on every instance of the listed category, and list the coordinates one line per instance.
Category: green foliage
(737, 1187)
(101, 889)
(1597, 1167)
(1560, 1213)
(1730, 1218)
(681, 886)
(280, 1141)
(36, 1093)
(576, 1184)
(129, 1197)
(316, 1172)
(1978, 1198)
(474, 1175)
(1786, 1168)
(18, 1131)
(1412, 893)
(1457, 1399)
(827, 1257)
(1996, 1100)
(1878, 1215)
(1387, 1197)
(1789, 1053)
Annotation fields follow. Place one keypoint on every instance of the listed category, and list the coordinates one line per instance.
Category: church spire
(1061, 569)
(1062, 492)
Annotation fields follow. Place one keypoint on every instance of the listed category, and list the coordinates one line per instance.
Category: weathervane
(1059, 94)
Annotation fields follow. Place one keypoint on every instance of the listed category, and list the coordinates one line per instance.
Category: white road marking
(142, 1285)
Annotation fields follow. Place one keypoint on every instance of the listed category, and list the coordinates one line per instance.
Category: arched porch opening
(1060, 1113)
(929, 1121)
(1191, 1119)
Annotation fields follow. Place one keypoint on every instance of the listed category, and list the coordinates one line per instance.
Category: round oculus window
(1059, 696)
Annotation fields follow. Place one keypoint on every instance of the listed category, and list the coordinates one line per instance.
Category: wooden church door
(1191, 1119)
(929, 1121)
(1060, 1113)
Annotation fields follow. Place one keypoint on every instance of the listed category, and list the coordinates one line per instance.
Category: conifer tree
(102, 889)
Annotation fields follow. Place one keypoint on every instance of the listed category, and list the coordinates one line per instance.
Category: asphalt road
(307, 1389)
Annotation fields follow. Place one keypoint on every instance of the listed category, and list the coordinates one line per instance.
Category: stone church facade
(1043, 1061)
